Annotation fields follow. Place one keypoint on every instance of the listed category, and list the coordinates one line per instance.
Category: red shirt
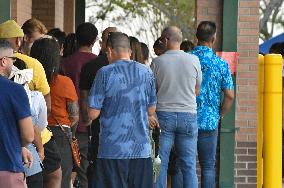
(72, 66)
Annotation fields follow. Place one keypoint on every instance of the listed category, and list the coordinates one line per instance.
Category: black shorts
(52, 158)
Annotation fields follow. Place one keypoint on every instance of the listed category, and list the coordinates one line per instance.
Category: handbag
(74, 146)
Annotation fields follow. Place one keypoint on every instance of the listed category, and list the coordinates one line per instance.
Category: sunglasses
(13, 58)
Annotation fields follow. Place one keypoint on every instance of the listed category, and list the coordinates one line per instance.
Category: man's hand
(27, 157)
(153, 122)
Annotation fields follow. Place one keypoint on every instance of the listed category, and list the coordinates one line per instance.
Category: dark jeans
(83, 140)
(35, 181)
(123, 173)
(206, 146)
(64, 149)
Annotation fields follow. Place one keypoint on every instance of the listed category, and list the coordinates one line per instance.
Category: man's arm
(48, 103)
(26, 130)
(73, 111)
(84, 107)
(93, 113)
(38, 143)
(227, 101)
(153, 122)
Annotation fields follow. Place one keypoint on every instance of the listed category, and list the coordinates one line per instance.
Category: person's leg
(207, 144)
(167, 121)
(64, 149)
(111, 173)
(186, 143)
(12, 180)
(53, 179)
(142, 178)
(52, 173)
(83, 148)
(35, 181)
(177, 179)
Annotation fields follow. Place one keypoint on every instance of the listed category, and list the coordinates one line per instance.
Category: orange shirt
(62, 90)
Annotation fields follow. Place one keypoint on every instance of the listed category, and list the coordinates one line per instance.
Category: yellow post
(260, 121)
(272, 124)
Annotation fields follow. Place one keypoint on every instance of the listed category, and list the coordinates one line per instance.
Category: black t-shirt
(90, 69)
(87, 77)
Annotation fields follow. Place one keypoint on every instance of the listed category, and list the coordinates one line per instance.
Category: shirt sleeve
(42, 113)
(70, 91)
(151, 88)
(97, 92)
(227, 81)
(20, 103)
(39, 79)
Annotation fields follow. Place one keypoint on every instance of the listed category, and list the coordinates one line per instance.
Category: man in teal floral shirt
(216, 80)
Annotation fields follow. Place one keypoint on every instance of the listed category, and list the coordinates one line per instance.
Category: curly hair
(47, 51)
(70, 45)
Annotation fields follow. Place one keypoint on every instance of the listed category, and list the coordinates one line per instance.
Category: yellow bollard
(260, 121)
(272, 122)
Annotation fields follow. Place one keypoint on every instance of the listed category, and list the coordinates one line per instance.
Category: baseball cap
(10, 29)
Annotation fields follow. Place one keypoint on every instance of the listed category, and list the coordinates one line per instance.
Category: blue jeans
(206, 146)
(179, 129)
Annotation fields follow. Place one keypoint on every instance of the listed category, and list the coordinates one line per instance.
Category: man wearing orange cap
(13, 33)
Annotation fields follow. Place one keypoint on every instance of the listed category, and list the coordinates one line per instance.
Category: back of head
(186, 46)
(106, 33)
(173, 34)
(86, 34)
(58, 34)
(206, 31)
(136, 50)
(70, 45)
(145, 51)
(33, 25)
(118, 40)
(47, 51)
(277, 48)
(10, 29)
(159, 47)
(4, 45)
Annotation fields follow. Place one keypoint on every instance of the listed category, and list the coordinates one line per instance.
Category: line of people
(108, 102)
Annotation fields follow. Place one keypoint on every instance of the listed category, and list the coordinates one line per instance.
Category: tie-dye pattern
(123, 91)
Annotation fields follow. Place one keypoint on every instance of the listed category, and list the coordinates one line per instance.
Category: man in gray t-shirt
(178, 78)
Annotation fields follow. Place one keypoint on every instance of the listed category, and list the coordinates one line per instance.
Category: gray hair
(117, 40)
(4, 46)
(173, 33)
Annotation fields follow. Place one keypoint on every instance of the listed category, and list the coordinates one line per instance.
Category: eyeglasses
(13, 58)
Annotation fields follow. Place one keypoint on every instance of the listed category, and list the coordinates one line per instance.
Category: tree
(150, 16)
(270, 16)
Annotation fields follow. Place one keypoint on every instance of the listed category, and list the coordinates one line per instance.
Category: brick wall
(21, 10)
(246, 111)
(211, 11)
(69, 16)
(50, 12)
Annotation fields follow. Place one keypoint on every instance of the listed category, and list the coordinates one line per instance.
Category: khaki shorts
(12, 180)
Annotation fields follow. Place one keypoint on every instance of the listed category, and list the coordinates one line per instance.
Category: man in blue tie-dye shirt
(124, 96)
(216, 79)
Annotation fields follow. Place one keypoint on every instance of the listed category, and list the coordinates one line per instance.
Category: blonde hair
(33, 25)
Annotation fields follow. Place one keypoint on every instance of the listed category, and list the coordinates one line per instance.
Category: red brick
(249, 32)
(248, 3)
(245, 18)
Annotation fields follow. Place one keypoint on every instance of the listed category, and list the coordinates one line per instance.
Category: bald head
(173, 34)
